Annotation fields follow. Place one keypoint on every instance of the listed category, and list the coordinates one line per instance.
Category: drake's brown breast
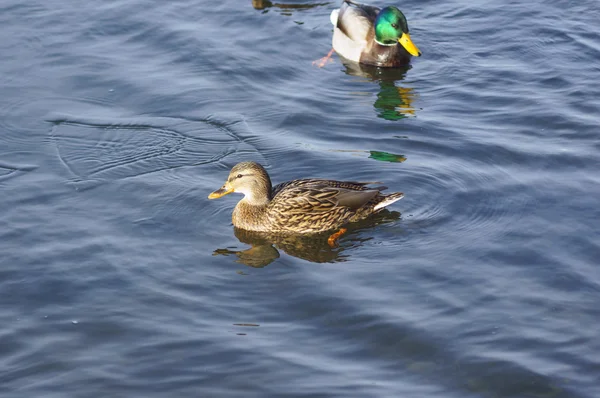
(385, 56)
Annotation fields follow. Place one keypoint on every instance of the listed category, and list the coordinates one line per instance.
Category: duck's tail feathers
(355, 3)
(388, 200)
(333, 17)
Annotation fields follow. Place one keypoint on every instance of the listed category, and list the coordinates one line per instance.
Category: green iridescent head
(391, 27)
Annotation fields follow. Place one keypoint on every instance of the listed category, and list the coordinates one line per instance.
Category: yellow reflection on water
(394, 102)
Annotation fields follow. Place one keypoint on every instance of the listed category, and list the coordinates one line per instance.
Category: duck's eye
(239, 176)
(395, 26)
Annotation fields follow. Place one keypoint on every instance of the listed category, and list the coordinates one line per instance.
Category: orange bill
(407, 43)
(220, 192)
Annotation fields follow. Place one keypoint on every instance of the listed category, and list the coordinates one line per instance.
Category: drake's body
(372, 36)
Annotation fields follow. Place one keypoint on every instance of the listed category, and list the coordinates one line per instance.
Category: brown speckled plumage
(299, 206)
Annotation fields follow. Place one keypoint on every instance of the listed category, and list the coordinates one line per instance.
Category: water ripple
(94, 150)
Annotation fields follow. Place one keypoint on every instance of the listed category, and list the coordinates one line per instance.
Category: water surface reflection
(314, 248)
(285, 8)
(393, 102)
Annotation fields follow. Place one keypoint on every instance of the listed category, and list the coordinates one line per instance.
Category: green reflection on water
(377, 155)
(393, 102)
(387, 157)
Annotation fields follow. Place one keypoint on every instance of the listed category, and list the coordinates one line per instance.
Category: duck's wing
(279, 187)
(371, 11)
(356, 20)
(319, 196)
(318, 183)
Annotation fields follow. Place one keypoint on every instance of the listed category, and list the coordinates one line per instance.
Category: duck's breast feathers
(385, 56)
(356, 20)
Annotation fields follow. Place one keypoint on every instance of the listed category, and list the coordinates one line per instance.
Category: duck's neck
(389, 44)
(251, 216)
(251, 212)
(258, 197)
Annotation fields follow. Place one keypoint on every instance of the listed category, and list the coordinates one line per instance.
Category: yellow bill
(220, 193)
(407, 43)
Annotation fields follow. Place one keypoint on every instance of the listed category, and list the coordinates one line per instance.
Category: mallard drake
(299, 206)
(372, 36)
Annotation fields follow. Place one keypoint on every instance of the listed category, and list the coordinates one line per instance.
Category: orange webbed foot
(323, 61)
(332, 240)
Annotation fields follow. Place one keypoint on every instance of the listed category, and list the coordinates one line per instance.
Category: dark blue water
(119, 278)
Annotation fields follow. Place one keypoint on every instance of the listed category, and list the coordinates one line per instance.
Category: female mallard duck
(372, 36)
(298, 206)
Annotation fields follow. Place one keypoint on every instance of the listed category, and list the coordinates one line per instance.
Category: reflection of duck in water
(393, 102)
(313, 248)
(263, 251)
(264, 4)
(372, 36)
(305, 206)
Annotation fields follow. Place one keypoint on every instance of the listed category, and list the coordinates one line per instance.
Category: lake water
(119, 278)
